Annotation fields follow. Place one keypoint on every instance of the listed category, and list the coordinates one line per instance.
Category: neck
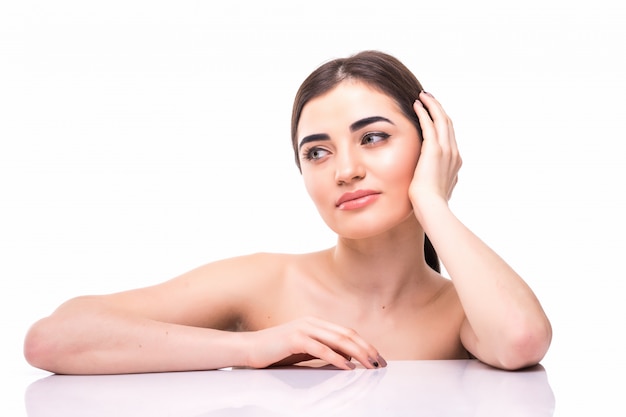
(382, 268)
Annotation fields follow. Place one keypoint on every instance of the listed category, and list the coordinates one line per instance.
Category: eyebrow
(359, 124)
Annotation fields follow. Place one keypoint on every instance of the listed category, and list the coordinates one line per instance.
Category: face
(358, 153)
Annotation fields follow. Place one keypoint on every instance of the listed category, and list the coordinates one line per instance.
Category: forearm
(506, 319)
(86, 337)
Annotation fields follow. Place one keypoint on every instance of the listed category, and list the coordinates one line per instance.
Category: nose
(349, 167)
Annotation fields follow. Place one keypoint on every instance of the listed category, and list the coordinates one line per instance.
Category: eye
(314, 154)
(373, 138)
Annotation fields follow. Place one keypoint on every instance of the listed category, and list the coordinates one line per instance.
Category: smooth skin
(369, 299)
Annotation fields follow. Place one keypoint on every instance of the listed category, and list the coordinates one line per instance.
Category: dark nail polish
(382, 361)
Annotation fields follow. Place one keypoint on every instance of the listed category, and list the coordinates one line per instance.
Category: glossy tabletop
(441, 388)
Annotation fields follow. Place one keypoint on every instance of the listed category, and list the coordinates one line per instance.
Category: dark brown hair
(378, 70)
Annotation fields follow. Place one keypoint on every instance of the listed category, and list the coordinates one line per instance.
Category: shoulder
(265, 264)
(258, 264)
(248, 269)
(250, 275)
(214, 295)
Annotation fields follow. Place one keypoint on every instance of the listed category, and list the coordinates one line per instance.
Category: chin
(370, 222)
(372, 229)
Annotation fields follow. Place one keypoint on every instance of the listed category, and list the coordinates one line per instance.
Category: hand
(437, 169)
(311, 338)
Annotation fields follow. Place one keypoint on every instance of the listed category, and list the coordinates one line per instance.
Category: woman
(379, 159)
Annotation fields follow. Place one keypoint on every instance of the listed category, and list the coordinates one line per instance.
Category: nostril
(343, 181)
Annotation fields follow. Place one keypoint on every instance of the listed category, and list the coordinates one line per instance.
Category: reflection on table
(442, 388)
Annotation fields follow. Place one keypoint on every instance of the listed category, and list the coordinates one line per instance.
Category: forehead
(347, 102)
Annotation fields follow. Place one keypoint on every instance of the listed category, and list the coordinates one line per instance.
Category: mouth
(357, 199)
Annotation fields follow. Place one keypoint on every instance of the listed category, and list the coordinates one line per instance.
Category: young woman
(379, 158)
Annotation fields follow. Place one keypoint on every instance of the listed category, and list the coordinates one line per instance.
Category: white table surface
(435, 388)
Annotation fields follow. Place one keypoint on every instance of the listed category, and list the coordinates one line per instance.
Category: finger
(441, 122)
(320, 350)
(435, 109)
(426, 123)
(293, 359)
(452, 135)
(344, 340)
(347, 341)
(446, 136)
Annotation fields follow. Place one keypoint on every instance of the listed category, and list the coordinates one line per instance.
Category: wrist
(222, 349)
(427, 207)
(240, 348)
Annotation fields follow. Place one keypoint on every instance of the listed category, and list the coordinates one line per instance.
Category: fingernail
(428, 94)
(374, 363)
(382, 361)
(350, 365)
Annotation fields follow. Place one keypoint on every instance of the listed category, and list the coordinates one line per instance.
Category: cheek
(397, 165)
(314, 187)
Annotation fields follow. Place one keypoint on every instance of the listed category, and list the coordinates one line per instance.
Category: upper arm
(469, 339)
(214, 295)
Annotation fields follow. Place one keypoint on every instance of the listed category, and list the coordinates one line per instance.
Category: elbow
(526, 347)
(38, 347)
(55, 343)
(46, 349)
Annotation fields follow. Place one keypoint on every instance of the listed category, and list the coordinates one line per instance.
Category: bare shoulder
(214, 295)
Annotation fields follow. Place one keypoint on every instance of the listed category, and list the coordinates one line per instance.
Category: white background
(140, 139)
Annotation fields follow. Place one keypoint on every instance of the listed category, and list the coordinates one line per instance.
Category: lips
(357, 199)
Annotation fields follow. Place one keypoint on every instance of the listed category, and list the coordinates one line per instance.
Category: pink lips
(357, 199)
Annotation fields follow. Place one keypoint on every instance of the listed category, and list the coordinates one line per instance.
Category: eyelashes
(374, 137)
(316, 152)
